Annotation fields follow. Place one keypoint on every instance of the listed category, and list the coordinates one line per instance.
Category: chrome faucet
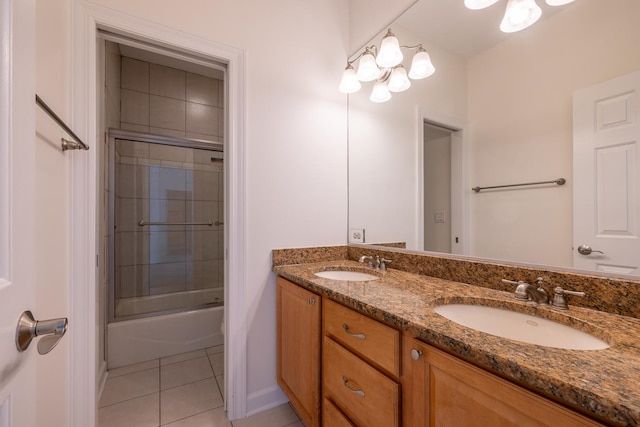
(368, 258)
(526, 292)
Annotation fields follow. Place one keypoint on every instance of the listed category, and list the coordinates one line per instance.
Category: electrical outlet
(356, 235)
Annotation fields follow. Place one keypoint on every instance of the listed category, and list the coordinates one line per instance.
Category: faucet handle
(383, 263)
(559, 301)
(521, 289)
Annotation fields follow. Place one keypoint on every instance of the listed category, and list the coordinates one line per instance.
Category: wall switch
(439, 217)
(356, 235)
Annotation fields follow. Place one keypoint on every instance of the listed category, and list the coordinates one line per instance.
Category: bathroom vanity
(375, 353)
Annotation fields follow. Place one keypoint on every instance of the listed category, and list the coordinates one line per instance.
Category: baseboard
(265, 399)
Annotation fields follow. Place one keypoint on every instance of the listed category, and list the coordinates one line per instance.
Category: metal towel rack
(66, 145)
(209, 223)
(559, 181)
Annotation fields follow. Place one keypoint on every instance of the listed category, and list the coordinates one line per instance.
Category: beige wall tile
(203, 90)
(135, 75)
(166, 278)
(133, 148)
(166, 81)
(167, 152)
(202, 119)
(202, 185)
(166, 113)
(134, 127)
(134, 281)
(167, 246)
(134, 107)
(133, 181)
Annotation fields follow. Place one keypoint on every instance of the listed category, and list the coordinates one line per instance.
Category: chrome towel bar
(559, 181)
(209, 223)
(66, 145)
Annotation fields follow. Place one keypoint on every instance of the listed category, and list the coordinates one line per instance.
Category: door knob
(51, 331)
(586, 250)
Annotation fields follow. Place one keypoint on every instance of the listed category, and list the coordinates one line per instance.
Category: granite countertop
(602, 383)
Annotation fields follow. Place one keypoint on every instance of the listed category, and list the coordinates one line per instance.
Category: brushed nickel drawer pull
(346, 329)
(312, 301)
(351, 389)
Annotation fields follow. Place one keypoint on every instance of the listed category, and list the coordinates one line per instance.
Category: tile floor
(178, 391)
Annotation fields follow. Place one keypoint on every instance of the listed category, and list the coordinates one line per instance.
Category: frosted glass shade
(421, 65)
(390, 54)
(349, 82)
(368, 70)
(519, 15)
(380, 93)
(558, 2)
(478, 4)
(398, 81)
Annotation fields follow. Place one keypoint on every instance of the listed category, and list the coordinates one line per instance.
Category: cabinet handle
(346, 329)
(351, 389)
(415, 354)
(312, 301)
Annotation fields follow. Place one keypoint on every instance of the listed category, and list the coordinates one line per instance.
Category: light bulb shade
(519, 15)
(421, 66)
(349, 82)
(479, 4)
(367, 68)
(398, 81)
(558, 2)
(380, 92)
(390, 54)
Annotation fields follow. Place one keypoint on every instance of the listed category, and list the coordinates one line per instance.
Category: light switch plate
(356, 235)
(439, 217)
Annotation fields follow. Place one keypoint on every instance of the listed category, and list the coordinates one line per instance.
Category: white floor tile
(217, 363)
(130, 386)
(182, 357)
(140, 412)
(279, 416)
(187, 400)
(214, 418)
(216, 349)
(129, 369)
(185, 372)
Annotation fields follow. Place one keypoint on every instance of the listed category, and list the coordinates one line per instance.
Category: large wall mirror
(500, 110)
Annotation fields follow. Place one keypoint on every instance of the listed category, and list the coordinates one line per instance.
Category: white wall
(437, 189)
(51, 260)
(383, 145)
(295, 135)
(520, 112)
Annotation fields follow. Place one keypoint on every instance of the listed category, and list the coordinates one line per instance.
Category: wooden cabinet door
(447, 391)
(299, 334)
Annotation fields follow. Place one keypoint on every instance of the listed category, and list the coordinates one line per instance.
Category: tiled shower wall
(160, 183)
(166, 101)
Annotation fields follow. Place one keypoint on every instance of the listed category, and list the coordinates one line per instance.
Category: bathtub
(140, 340)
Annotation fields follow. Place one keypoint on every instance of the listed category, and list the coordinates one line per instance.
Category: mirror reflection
(555, 100)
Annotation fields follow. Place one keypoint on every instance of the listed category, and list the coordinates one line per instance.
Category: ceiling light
(388, 78)
(479, 4)
(558, 2)
(519, 15)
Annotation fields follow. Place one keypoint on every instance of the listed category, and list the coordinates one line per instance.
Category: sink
(520, 327)
(351, 276)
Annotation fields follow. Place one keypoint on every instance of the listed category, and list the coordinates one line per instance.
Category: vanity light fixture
(519, 14)
(384, 65)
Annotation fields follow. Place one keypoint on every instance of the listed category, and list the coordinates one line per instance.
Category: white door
(17, 198)
(606, 163)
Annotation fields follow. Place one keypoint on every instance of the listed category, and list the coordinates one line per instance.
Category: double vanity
(359, 346)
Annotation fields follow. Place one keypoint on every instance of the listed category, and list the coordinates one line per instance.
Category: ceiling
(453, 27)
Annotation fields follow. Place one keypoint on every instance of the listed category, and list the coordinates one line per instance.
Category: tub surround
(604, 384)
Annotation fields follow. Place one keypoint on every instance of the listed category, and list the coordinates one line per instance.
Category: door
(606, 156)
(17, 198)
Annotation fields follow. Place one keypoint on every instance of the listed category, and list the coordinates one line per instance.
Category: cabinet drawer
(332, 417)
(368, 397)
(373, 341)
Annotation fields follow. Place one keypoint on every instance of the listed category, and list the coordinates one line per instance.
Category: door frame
(86, 19)
(459, 178)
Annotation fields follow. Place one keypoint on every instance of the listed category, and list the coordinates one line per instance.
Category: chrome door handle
(51, 331)
(586, 250)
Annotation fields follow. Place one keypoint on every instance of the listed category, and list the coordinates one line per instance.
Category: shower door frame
(86, 21)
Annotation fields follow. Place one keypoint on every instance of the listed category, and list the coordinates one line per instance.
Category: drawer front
(368, 397)
(373, 341)
(332, 417)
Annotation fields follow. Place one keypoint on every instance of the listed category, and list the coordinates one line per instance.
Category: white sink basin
(520, 327)
(351, 276)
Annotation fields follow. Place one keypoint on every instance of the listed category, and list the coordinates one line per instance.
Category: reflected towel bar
(209, 223)
(559, 181)
(66, 145)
